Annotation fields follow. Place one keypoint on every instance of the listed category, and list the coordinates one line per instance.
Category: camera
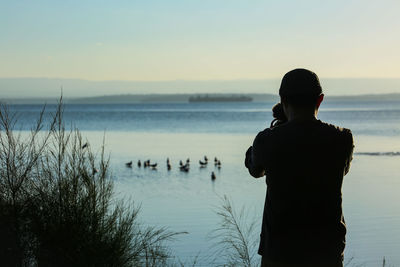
(278, 114)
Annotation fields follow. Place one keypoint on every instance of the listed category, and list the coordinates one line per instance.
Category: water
(187, 201)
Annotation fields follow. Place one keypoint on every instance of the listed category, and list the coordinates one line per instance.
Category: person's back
(304, 161)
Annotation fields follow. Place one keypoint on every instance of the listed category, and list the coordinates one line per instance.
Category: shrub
(57, 203)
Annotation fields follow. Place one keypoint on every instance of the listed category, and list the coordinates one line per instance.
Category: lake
(187, 201)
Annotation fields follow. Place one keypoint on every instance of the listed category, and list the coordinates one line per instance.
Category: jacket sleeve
(349, 146)
(256, 155)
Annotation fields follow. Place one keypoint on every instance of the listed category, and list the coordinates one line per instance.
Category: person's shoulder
(342, 134)
(266, 136)
(266, 133)
(334, 129)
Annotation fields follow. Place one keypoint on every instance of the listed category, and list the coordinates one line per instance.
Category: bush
(57, 203)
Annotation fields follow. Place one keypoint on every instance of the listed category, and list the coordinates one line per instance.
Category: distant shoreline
(184, 98)
(20, 87)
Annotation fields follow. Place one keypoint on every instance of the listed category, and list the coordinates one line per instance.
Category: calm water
(187, 201)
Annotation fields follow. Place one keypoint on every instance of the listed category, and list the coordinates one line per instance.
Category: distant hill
(369, 97)
(183, 98)
(73, 88)
(164, 98)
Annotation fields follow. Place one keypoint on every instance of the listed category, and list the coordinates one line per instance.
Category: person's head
(301, 90)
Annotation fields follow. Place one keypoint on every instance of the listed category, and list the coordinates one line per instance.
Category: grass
(58, 207)
(236, 237)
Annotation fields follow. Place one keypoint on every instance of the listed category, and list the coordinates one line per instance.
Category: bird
(205, 159)
(153, 165)
(85, 145)
(215, 160)
(146, 163)
(180, 163)
(203, 163)
(218, 164)
(213, 176)
(184, 168)
(139, 164)
(129, 164)
(168, 164)
(187, 161)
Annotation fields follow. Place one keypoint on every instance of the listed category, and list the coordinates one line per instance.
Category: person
(304, 161)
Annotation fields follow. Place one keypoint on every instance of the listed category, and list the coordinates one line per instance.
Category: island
(221, 98)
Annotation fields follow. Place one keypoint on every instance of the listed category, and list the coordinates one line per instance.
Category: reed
(235, 238)
(58, 206)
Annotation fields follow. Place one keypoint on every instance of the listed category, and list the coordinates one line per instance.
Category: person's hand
(248, 157)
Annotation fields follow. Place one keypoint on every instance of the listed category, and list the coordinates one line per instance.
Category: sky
(198, 40)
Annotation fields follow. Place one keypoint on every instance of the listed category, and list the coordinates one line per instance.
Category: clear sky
(152, 40)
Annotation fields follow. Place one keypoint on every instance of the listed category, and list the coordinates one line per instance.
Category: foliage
(236, 237)
(57, 203)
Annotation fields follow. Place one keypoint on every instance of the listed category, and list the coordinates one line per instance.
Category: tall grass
(58, 207)
(235, 238)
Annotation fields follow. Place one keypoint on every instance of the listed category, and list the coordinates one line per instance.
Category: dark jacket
(304, 163)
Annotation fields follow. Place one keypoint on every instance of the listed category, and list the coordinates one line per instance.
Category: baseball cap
(300, 82)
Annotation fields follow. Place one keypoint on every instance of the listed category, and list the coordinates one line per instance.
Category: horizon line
(198, 80)
(225, 93)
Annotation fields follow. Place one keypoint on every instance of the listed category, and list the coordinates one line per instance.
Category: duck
(213, 177)
(203, 163)
(139, 164)
(146, 163)
(153, 166)
(168, 166)
(205, 159)
(184, 168)
(129, 164)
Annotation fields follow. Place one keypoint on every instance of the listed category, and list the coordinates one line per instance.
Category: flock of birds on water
(182, 167)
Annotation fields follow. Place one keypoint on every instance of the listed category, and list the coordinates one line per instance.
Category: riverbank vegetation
(57, 203)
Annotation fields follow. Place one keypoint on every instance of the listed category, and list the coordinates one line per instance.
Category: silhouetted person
(304, 161)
